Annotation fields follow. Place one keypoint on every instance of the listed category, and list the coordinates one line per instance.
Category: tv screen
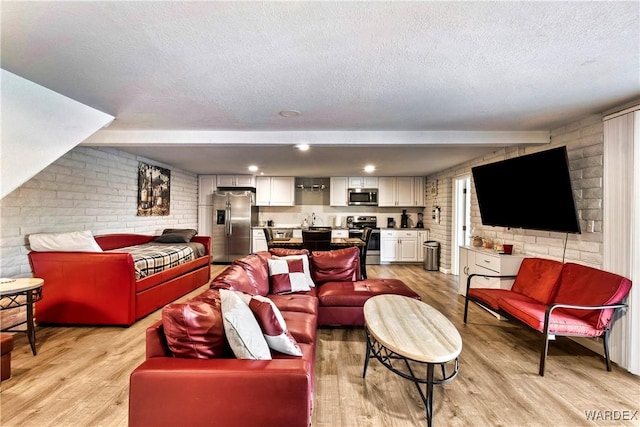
(532, 191)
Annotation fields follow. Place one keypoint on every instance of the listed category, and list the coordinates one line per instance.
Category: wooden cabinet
(206, 187)
(486, 261)
(258, 241)
(338, 191)
(398, 191)
(275, 191)
(235, 181)
(398, 246)
(363, 182)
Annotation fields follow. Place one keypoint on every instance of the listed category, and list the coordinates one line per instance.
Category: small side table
(21, 292)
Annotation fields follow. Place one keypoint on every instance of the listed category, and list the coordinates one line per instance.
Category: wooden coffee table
(404, 329)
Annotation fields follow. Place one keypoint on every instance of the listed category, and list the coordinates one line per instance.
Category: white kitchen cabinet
(419, 190)
(235, 181)
(338, 189)
(363, 182)
(258, 241)
(335, 234)
(398, 246)
(423, 236)
(275, 191)
(397, 191)
(475, 260)
(206, 187)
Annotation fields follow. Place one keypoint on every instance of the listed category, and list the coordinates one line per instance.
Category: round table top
(412, 329)
(15, 286)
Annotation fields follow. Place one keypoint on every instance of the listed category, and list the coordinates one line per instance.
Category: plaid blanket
(152, 258)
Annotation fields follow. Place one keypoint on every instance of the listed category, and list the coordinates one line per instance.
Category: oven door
(373, 248)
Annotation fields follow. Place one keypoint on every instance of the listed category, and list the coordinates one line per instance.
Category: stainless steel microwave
(363, 197)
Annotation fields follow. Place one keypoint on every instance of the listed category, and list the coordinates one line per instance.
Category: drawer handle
(487, 261)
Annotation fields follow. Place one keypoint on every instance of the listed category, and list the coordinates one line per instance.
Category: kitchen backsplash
(326, 215)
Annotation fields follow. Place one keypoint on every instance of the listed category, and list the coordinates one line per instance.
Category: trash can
(431, 255)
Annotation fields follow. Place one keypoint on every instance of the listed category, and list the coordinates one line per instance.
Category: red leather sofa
(166, 390)
(100, 288)
(556, 299)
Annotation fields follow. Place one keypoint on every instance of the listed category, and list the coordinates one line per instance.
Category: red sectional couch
(100, 288)
(166, 390)
(556, 299)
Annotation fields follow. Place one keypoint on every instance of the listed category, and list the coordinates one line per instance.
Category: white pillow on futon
(74, 241)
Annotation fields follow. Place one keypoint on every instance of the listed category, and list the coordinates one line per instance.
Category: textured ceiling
(346, 66)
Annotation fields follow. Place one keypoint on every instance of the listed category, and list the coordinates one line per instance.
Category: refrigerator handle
(229, 230)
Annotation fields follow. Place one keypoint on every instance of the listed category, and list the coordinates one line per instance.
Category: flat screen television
(531, 191)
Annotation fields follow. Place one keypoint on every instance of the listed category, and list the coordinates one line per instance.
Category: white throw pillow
(75, 241)
(305, 263)
(287, 276)
(272, 323)
(242, 329)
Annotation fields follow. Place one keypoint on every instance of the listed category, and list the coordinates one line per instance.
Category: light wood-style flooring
(80, 376)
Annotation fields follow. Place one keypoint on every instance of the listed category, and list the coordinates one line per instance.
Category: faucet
(313, 218)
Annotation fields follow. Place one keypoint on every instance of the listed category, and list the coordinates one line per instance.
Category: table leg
(31, 329)
(366, 359)
(429, 401)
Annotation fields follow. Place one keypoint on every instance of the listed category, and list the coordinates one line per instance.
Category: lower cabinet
(258, 241)
(399, 246)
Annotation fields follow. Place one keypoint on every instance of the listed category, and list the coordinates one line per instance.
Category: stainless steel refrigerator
(234, 212)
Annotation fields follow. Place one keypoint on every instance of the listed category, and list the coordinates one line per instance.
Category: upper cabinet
(363, 182)
(275, 191)
(206, 187)
(235, 181)
(338, 187)
(401, 191)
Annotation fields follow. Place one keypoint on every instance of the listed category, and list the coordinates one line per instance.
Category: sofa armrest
(553, 306)
(485, 275)
(230, 392)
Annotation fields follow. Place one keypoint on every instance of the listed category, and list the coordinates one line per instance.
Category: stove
(356, 224)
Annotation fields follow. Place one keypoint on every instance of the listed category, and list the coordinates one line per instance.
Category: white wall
(87, 189)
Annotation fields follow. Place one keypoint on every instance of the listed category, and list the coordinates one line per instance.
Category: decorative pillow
(176, 235)
(242, 329)
(287, 275)
(195, 329)
(305, 265)
(75, 241)
(272, 324)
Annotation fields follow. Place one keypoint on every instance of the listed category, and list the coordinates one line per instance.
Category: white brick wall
(584, 140)
(87, 189)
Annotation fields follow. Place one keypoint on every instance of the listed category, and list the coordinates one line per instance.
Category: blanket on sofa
(152, 258)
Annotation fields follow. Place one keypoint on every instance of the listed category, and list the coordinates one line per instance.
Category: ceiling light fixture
(289, 113)
(303, 147)
(253, 168)
(369, 168)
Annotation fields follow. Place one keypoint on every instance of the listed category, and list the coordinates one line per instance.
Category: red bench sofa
(166, 390)
(556, 299)
(100, 288)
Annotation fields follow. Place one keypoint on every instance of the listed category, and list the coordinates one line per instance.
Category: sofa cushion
(355, 294)
(538, 278)
(242, 329)
(562, 323)
(302, 326)
(235, 278)
(273, 325)
(194, 329)
(296, 302)
(491, 297)
(336, 265)
(583, 285)
(74, 241)
(287, 275)
(286, 252)
(257, 270)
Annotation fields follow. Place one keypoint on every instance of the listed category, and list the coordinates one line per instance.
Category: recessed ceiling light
(303, 147)
(253, 168)
(289, 113)
(369, 168)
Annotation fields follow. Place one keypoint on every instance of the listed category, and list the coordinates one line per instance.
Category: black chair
(268, 234)
(366, 235)
(316, 240)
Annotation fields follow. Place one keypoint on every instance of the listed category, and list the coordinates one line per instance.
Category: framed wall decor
(153, 190)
